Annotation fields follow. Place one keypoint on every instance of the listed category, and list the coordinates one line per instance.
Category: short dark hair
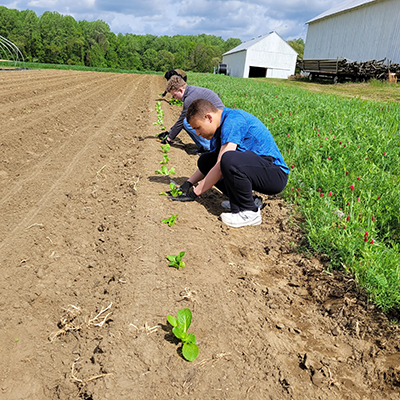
(200, 107)
(173, 72)
(174, 83)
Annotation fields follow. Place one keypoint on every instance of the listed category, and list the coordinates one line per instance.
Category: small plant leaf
(190, 338)
(190, 351)
(165, 148)
(184, 317)
(170, 221)
(172, 320)
(178, 332)
(171, 257)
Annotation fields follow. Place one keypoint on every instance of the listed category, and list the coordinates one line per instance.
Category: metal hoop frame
(13, 58)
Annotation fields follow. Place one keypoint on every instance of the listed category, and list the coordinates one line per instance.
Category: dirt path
(86, 288)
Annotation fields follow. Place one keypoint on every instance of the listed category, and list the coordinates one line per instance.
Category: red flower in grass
(366, 237)
(352, 187)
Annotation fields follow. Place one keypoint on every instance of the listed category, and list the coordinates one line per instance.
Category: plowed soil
(86, 288)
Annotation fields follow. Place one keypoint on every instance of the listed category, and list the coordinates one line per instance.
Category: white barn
(265, 56)
(358, 30)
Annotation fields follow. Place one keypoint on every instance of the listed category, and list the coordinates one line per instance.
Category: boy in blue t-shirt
(243, 157)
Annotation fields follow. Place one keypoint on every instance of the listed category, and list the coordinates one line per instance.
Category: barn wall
(236, 63)
(371, 32)
(272, 52)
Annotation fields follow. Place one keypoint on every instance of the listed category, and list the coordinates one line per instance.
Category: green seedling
(176, 260)
(164, 170)
(175, 191)
(160, 115)
(180, 325)
(171, 220)
(165, 159)
(165, 147)
(176, 102)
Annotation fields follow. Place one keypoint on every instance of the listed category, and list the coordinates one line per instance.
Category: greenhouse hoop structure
(11, 57)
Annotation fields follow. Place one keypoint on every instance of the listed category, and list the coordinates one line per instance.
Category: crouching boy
(243, 157)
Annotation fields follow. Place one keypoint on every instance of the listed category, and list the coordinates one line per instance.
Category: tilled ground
(85, 283)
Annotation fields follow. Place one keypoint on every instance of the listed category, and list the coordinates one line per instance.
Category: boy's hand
(188, 196)
(185, 187)
(163, 135)
(166, 140)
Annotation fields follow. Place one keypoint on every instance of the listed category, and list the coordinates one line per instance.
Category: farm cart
(328, 68)
(340, 69)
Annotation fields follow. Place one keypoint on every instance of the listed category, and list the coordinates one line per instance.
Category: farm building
(357, 30)
(265, 56)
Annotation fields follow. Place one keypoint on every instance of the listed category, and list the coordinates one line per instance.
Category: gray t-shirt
(193, 93)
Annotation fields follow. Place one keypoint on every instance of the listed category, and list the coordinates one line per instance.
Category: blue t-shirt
(248, 133)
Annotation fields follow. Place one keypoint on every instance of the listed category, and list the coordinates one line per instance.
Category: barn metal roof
(342, 7)
(247, 44)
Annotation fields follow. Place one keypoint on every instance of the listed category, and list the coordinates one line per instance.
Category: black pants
(243, 172)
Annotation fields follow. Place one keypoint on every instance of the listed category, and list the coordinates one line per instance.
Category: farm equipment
(221, 69)
(340, 69)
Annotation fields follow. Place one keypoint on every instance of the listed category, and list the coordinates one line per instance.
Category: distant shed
(267, 56)
(358, 30)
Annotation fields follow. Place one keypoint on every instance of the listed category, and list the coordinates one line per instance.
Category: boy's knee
(228, 160)
(206, 161)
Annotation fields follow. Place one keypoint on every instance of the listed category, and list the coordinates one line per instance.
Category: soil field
(85, 286)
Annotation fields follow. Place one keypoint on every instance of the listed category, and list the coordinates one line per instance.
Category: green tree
(298, 45)
(205, 58)
(164, 61)
(96, 37)
(231, 43)
(149, 60)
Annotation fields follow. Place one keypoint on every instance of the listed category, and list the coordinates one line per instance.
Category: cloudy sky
(228, 19)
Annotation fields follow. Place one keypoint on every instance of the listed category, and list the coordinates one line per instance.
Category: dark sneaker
(257, 201)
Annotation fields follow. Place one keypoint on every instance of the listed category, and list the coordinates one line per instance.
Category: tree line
(59, 39)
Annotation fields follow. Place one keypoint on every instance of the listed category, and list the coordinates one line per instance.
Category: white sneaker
(242, 218)
(257, 201)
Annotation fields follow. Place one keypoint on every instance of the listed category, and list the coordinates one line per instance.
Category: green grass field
(342, 152)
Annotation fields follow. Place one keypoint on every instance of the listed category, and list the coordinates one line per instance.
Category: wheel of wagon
(310, 76)
(335, 79)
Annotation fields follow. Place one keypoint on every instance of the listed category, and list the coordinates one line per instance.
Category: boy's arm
(177, 127)
(215, 173)
(196, 177)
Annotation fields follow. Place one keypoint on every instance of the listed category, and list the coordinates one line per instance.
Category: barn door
(257, 72)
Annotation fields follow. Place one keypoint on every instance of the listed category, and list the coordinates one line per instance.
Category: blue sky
(228, 19)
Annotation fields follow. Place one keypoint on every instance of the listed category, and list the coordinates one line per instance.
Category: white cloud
(232, 18)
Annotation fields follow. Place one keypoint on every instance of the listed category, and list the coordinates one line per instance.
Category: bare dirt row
(85, 284)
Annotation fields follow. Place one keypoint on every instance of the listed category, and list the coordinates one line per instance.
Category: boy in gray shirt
(180, 90)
